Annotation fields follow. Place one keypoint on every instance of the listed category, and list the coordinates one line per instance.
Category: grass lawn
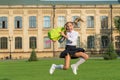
(93, 69)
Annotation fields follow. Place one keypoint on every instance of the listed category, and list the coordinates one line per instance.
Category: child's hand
(62, 33)
(53, 41)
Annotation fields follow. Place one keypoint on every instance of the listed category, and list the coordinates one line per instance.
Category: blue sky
(78, 0)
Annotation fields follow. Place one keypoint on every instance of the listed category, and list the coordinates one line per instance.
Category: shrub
(110, 53)
(33, 56)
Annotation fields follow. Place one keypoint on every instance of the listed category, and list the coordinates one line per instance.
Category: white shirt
(72, 38)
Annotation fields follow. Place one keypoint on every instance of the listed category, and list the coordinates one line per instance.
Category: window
(61, 21)
(78, 42)
(104, 41)
(47, 42)
(3, 43)
(18, 22)
(32, 42)
(73, 19)
(18, 43)
(3, 22)
(47, 22)
(90, 42)
(32, 21)
(104, 22)
(90, 22)
(117, 42)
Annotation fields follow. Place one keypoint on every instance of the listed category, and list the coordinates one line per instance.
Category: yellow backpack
(54, 34)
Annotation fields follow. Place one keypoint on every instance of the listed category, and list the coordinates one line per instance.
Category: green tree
(117, 23)
(110, 53)
(117, 26)
(33, 56)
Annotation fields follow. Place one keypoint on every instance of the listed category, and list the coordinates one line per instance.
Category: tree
(117, 23)
(33, 56)
(110, 53)
(117, 26)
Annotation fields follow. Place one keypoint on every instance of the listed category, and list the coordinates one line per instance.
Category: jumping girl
(70, 51)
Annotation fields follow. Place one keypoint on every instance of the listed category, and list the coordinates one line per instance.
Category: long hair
(78, 19)
(75, 22)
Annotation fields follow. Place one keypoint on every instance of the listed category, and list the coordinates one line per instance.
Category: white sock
(82, 60)
(59, 66)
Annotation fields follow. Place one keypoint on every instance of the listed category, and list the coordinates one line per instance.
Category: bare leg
(81, 54)
(83, 58)
(67, 62)
(65, 66)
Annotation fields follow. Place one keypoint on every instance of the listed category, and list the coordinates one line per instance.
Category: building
(25, 23)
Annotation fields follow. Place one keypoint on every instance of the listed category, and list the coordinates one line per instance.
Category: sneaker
(52, 69)
(74, 69)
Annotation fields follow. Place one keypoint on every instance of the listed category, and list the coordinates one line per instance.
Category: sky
(78, 0)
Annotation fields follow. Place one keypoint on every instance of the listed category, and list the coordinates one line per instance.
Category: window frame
(61, 21)
(32, 21)
(32, 40)
(104, 24)
(47, 43)
(90, 42)
(3, 43)
(90, 21)
(3, 22)
(16, 20)
(104, 41)
(18, 42)
(47, 21)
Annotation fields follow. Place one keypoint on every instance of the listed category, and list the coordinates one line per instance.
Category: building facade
(23, 27)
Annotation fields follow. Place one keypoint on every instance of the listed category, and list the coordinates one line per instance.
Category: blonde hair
(75, 22)
(78, 19)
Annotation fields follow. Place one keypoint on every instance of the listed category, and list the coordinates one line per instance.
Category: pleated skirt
(71, 50)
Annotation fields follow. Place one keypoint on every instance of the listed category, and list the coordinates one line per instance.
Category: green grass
(93, 69)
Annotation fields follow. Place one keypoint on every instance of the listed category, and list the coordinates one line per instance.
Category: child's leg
(67, 62)
(65, 66)
(81, 54)
(83, 58)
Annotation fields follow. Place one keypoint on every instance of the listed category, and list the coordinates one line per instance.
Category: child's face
(69, 27)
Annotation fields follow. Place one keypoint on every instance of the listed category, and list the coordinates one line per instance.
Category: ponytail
(78, 19)
(75, 22)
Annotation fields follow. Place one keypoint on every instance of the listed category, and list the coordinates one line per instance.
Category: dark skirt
(71, 50)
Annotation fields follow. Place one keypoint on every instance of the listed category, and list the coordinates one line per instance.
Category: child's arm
(64, 35)
(70, 38)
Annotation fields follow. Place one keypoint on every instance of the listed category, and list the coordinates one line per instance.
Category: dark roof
(48, 2)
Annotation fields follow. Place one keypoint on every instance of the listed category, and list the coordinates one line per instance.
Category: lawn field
(92, 69)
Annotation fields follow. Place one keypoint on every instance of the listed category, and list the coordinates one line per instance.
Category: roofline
(38, 2)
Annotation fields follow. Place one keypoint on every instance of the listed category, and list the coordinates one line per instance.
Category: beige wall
(39, 32)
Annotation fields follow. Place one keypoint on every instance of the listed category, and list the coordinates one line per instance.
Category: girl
(70, 51)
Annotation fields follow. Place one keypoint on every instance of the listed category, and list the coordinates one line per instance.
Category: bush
(33, 56)
(110, 53)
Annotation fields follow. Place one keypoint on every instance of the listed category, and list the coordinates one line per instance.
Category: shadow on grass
(5, 79)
